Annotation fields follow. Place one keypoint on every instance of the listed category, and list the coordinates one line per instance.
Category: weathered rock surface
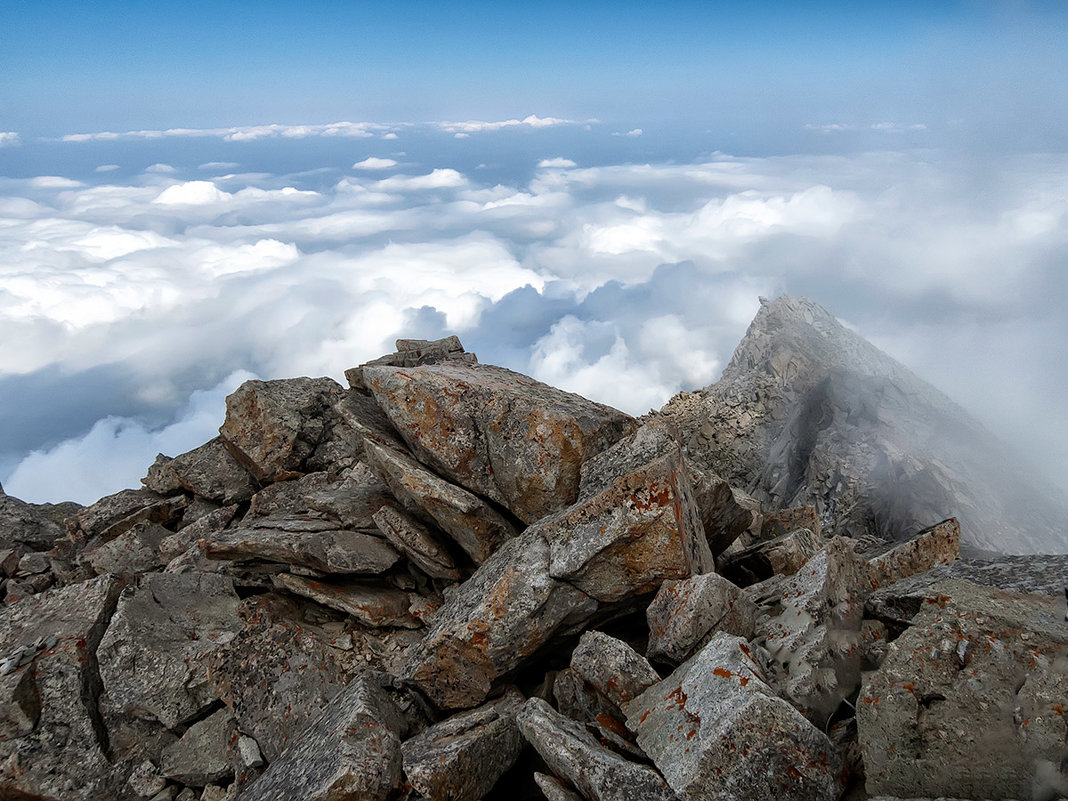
(508, 437)
(204, 753)
(415, 542)
(782, 556)
(272, 427)
(24, 524)
(553, 789)
(131, 553)
(611, 666)
(208, 472)
(716, 730)
(461, 758)
(471, 522)
(53, 745)
(686, 613)
(970, 700)
(372, 606)
(807, 412)
(725, 511)
(116, 514)
(351, 751)
(934, 546)
(412, 353)
(572, 753)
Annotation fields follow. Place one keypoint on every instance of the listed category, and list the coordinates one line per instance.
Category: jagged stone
(203, 755)
(873, 644)
(9, 561)
(248, 752)
(783, 521)
(180, 542)
(501, 434)
(145, 780)
(153, 656)
(686, 613)
(815, 637)
(415, 542)
(809, 413)
(116, 514)
(725, 512)
(553, 789)
(572, 753)
(461, 758)
(970, 700)
(412, 353)
(131, 553)
(23, 523)
(783, 555)
(934, 546)
(272, 427)
(352, 501)
(372, 606)
(63, 756)
(474, 525)
(208, 472)
(316, 544)
(352, 750)
(34, 562)
(612, 667)
(277, 673)
(716, 730)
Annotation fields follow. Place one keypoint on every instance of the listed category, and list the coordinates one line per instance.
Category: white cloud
(882, 127)
(374, 163)
(54, 182)
(106, 168)
(192, 193)
(390, 135)
(634, 132)
(438, 179)
(556, 163)
(479, 126)
(218, 165)
(9, 138)
(160, 169)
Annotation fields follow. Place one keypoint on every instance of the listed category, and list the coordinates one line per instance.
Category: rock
(145, 781)
(372, 606)
(131, 553)
(716, 730)
(686, 613)
(493, 622)
(180, 542)
(474, 525)
(412, 353)
(815, 637)
(116, 514)
(782, 556)
(315, 544)
(168, 793)
(725, 513)
(353, 501)
(873, 644)
(970, 699)
(498, 433)
(202, 756)
(24, 524)
(573, 754)
(553, 790)
(415, 542)
(277, 674)
(615, 669)
(63, 756)
(272, 427)
(784, 521)
(9, 561)
(153, 658)
(34, 562)
(931, 547)
(248, 753)
(580, 701)
(214, 792)
(188, 794)
(461, 758)
(208, 472)
(352, 750)
(809, 413)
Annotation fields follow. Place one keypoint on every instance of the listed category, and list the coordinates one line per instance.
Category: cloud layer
(626, 283)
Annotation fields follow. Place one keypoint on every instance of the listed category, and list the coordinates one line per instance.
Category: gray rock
(295, 541)
(686, 613)
(717, 730)
(473, 524)
(415, 542)
(809, 413)
(461, 758)
(248, 752)
(203, 754)
(412, 353)
(131, 553)
(573, 754)
(272, 427)
(782, 556)
(34, 562)
(208, 472)
(180, 542)
(352, 750)
(23, 523)
(352, 501)
(372, 606)
(580, 701)
(9, 561)
(514, 440)
(725, 512)
(153, 659)
(934, 546)
(116, 514)
(783, 521)
(970, 699)
(553, 789)
(63, 755)
(611, 666)
(145, 780)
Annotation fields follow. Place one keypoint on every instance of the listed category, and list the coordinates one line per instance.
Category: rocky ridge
(450, 581)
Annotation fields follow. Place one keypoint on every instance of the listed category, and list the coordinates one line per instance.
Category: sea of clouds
(129, 307)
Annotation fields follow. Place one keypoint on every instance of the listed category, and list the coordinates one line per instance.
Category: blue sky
(594, 194)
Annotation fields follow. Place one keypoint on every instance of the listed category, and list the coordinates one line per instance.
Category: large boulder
(23, 524)
(716, 730)
(53, 745)
(937, 545)
(208, 471)
(508, 437)
(970, 700)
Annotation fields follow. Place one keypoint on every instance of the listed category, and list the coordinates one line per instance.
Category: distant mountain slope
(808, 412)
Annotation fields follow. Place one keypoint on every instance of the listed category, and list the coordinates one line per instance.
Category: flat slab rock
(716, 730)
(50, 743)
(461, 758)
(209, 471)
(501, 434)
(413, 540)
(351, 750)
(970, 699)
(372, 606)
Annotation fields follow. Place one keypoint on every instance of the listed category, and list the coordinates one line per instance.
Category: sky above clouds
(595, 196)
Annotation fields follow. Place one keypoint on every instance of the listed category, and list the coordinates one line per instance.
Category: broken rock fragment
(937, 545)
(717, 730)
(508, 437)
(209, 471)
(372, 606)
(461, 758)
(413, 540)
(686, 613)
(615, 669)
(203, 754)
(782, 556)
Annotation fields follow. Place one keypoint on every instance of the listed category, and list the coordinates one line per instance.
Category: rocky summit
(810, 580)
